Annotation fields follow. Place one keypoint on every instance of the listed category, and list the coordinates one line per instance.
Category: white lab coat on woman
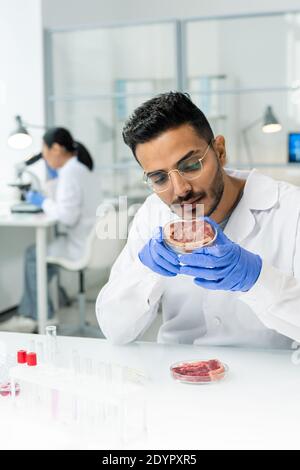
(74, 205)
(266, 222)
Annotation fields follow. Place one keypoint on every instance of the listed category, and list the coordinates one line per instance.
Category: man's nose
(181, 186)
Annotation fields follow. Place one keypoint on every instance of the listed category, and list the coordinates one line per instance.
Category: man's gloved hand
(51, 172)
(158, 258)
(222, 266)
(35, 198)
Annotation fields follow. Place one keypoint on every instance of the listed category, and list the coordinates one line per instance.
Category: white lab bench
(40, 222)
(255, 407)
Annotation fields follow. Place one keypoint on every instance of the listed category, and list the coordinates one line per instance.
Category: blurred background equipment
(269, 125)
(294, 147)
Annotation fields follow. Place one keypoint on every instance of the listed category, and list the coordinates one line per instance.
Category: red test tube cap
(21, 356)
(31, 359)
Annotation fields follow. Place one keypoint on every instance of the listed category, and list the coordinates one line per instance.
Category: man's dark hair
(162, 113)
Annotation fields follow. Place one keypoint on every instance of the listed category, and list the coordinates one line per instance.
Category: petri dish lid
(199, 372)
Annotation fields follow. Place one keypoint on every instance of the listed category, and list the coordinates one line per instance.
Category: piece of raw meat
(185, 236)
(198, 371)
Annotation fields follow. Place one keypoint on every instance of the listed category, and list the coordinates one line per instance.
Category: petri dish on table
(199, 372)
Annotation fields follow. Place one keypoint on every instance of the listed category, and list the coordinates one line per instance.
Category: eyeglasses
(190, 169)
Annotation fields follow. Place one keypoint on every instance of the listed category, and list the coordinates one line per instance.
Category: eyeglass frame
(178, 171)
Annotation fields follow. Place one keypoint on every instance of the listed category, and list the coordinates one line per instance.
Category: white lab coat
(74, 205)
(266, 221)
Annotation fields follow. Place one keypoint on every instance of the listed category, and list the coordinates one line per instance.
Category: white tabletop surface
(26, 220)
(256, 406)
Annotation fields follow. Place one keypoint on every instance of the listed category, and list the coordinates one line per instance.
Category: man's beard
(214, 193)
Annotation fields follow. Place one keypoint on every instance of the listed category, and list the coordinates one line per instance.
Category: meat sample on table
(199, 371)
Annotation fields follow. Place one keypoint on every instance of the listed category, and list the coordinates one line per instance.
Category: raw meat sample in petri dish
(198, 372)
(184, 236)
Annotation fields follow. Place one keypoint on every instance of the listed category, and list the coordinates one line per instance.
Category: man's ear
(220, 149)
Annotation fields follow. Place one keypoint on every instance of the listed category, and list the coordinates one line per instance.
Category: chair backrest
(102, 252)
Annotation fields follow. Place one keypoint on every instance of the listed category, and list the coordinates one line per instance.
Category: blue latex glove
(51, 172)
(222, 266)
(35, 198)
(156, 256)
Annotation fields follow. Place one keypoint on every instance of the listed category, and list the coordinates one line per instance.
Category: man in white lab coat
(245, 289)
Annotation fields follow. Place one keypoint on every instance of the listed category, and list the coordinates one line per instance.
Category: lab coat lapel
(260, 193)
(241, 223)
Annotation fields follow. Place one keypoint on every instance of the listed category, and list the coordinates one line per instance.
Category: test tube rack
(107, 404)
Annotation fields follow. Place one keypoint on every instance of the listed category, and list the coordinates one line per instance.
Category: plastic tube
(40, 352)
(51, 353)
(51, 345)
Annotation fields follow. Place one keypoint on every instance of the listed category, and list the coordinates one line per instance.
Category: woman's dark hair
(161, 113)
(61, 136)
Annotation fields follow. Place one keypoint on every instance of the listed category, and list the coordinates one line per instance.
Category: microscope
(24, 186)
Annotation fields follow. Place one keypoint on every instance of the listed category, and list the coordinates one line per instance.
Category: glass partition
(236, 67)
(98, 77)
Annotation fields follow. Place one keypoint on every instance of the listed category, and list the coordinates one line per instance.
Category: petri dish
(199, 372)
(185, 236)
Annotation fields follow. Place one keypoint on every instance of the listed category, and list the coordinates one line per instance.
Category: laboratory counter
(256, 406)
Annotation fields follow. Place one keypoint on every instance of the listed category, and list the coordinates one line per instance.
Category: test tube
(40, 352)
(51, 344)
(101, 368)
(76, 363)
(76, 411)
(31, 346)
(88, 366)
(54, 403)
(117, 374)
(51, 354)
(108, 373)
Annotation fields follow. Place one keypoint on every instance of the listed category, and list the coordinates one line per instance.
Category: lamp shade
(270, 123)
(19, 138)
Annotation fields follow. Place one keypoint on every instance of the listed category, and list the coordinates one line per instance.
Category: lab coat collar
(260, 193)
(68, 163)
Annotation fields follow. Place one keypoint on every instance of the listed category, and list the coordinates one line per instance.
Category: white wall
(21, 92)
(21, 77)
(62, 13)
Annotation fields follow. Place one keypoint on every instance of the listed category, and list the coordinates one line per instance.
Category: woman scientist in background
(73, 204)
